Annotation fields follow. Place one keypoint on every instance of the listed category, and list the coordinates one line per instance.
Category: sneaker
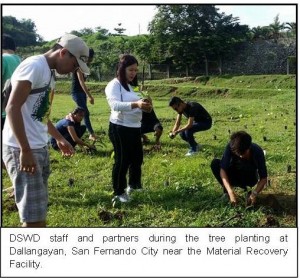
(190, 153)
(123, 198)
(130, 190)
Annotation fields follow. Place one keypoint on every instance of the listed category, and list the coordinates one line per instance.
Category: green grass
(179, 191)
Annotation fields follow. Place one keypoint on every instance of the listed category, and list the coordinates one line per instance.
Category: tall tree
(191, 34)
(276, 28)
(23, 31)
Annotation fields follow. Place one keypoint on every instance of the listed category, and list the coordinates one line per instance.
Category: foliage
(179, 191)
(190, 34)
(23, 31)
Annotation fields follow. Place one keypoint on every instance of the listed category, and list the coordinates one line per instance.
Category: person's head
(240, 143)
(73, 53)
(177, 104)
(127, 70)
(78, 114)
(8, 43)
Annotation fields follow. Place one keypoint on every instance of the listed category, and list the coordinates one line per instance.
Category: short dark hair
(126, 60)
(175, 100)
(240, 141)
(8, 42)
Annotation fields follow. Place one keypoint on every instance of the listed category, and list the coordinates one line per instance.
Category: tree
(276, 28)
(120, 31)
(193, 34)
(23, 31)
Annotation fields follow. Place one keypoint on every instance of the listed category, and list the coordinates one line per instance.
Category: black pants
(128, 155)
(242, 175)
(80, 130)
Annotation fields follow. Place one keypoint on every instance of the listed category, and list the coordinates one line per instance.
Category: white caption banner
(155, 252)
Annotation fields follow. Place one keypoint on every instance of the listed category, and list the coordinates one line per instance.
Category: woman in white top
(125, 128)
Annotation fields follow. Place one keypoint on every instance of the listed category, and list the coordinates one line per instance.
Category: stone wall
(262, 57)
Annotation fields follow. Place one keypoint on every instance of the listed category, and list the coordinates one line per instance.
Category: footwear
(130, 190)
(123, 198)
(190, 153)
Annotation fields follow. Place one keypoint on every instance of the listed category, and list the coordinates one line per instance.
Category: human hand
(251, 199)
(66, 148)
(232, 198)
(27, 162)
(91, 100)
(145, 105)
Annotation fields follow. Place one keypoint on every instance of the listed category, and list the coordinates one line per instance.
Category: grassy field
(179, 191)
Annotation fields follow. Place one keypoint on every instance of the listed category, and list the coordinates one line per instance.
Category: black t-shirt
(257, 161)
(149, 118)
(197, 111)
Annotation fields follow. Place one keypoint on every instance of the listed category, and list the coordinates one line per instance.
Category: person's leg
(118, 135)
(215, 168)
(136, 160)
(31, 191)
(189, 134)
(81, 100)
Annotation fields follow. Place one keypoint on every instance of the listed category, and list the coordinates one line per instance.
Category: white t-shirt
(119, 101)
(36, 109)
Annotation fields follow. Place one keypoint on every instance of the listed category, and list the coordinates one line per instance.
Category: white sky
(52, 21)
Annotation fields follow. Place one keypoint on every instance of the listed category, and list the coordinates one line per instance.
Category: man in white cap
(25, 133)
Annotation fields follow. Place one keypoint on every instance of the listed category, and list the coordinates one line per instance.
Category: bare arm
(177, 124)
(225, 180)
(18, 96)
(187, 126)
(259, 187)
(62, 143)
(75, 138)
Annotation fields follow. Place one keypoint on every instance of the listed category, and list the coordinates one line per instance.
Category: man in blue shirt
(243, 164)
(71, 129)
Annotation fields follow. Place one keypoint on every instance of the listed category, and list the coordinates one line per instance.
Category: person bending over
(71, 129)
(243, 164)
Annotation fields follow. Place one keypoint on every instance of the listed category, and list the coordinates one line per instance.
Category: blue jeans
(188, 135)
(81, 100)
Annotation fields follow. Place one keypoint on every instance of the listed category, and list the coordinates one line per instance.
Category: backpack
(7, 90)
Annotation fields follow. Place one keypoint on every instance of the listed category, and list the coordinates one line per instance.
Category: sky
(52, 21)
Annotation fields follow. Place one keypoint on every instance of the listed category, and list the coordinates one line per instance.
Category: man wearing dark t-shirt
(198, 120)
(243, 164)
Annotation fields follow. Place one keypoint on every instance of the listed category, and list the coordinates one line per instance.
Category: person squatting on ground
(151, 123)
(125, 128)
(71, 129)
(80, 93)
(198, 120)
(25, 138)
(243, 164)
(10, 61)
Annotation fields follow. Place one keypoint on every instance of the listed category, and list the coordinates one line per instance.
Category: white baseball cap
(77, 47)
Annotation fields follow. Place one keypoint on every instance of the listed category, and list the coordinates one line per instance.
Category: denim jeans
(81, 100)
(188, 135)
